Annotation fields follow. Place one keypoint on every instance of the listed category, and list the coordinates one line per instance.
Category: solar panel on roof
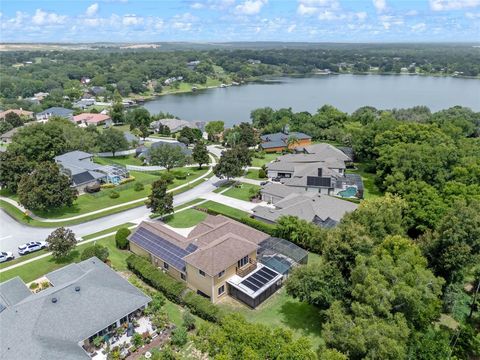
(158, 246)
(259, 278)
(318, 181)
(191, 248)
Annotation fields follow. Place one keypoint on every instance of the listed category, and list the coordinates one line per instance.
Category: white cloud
(470, 15)
(291, 28)
(362, 15)
(380, 5)
(45, 18)
(183, 22)
(197, 6)
(311, 7)
(442, 5)
(418, 27)
(412, 13)
(92, 10)
(132, 20)
(250, 7)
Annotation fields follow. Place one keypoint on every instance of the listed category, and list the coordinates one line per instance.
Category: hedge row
(164, 283)
(259, 225)
(172, 289)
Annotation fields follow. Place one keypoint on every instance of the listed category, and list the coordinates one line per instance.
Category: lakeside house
(282, 141)
(319, 168)
(143, 151)
(175, 125)
(220, 256)
(82, 171)
(83, 301)
(45, 115)
(86, 119)
(323, 210)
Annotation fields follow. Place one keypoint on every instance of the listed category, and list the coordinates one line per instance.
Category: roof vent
(77, 288)
(54, 300)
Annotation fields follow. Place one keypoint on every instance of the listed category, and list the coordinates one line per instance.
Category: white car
(5, 256)
(31, 247)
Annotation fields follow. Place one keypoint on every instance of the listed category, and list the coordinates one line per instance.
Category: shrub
(262, 174)
(139, 187)
(137, 340)
(97, 250)
(121, 238)
(179, 336)
(107, 186)
(259, 225)
(188, 320)
(114, 194)
(168, 177)
(33, 285)
(171, 288)
(127, 180)
(202, 307)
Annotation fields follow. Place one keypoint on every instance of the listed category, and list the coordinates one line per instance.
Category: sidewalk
(35, 217)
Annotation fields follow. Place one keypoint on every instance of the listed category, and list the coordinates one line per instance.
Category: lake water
(346, 92)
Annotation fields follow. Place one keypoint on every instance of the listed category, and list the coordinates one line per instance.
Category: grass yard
(107, 231)
(370, 189)
(38, 268)
(253, 174)
(243, 192)
(267, 158)
(224, 209)
(282, 310)
(119, 160)
(185, 219)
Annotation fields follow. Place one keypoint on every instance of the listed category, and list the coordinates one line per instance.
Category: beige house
(220, 256)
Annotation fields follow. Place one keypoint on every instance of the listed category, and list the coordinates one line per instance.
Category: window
(242, 262)
(201, 272)
(165, 266)
(221, 290)
(221, 273)
(183, 276)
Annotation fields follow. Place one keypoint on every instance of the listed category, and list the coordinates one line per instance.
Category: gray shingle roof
(57, 111)
(41, 329)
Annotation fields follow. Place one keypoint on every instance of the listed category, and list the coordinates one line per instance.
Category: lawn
(282, 310)
(185, 219)
(253, 174)
(224, 210)
(119, 160)
(107, 231)
(266, 159)
(38, 268)
(370, 189)
(242, 192)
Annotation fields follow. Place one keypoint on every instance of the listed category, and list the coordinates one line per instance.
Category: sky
(240, 20)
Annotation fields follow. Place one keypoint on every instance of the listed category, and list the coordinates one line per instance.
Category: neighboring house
(20, 112)
(319, 168)
(97, 90)
(132, 139)
(79, 166)
(85, 300)
(45, 115)
(174, 125)
(84, 103)
(220, 256)
(143, 151)
(7, 137)
(322, 210)
(278, 142)
(92, 119)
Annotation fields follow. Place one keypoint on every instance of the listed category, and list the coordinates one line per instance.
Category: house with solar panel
(220, 257)
(319, 168)
(282, 141)
(82, 171)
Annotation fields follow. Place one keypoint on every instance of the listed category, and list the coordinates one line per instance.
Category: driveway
(232, 202)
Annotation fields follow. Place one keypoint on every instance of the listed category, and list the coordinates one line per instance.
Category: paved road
(13, 233)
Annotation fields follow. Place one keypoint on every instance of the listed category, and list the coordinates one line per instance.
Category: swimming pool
(348, 192)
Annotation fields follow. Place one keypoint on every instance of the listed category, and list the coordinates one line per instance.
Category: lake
(346, 92)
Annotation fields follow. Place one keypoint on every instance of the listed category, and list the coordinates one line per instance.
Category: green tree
(13, 119)
(144, 131)
(45, 188)
(121, 236)
(214, 129)
(318, 285)
(179, 336)
(168, 156)
(117, 113)
(12, 168)
(303, 233)
(112, 140)
(97, 250)
(228, 166)
(138, 117)
(200, 154)
(61, 242)
(159, 200)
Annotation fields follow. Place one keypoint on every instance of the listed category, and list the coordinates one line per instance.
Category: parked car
(5, 256)
(31, 246)
(276, 179)
(263, 183)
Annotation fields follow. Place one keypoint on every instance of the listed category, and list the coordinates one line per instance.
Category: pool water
(348, 192)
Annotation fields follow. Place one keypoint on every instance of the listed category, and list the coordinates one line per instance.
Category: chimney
(320, 172)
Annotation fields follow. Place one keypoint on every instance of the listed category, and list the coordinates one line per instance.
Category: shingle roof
(57, 111)
(39, 328)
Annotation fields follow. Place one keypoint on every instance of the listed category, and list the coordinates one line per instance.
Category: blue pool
(348, 192)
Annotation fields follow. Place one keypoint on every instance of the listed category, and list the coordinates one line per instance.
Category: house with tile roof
(86, 119)
(219, 256)
(83, 301)
(282, 141)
